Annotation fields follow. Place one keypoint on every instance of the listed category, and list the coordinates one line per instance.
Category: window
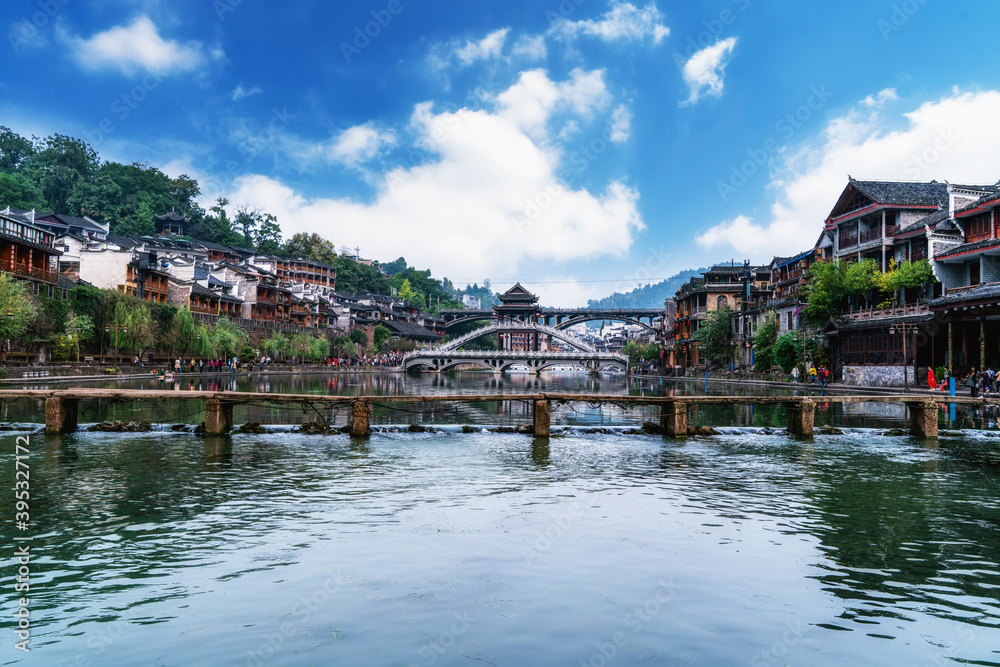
(791, 320)
(974, 273)
(978, 228)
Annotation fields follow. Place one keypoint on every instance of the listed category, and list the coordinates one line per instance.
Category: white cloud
(953, 138)
(487, 201)
(624, 21)
(469, 52)
(359, 144)
(532, 100)
(242, 92)
(621, 124)
(703, 72)
(878, 101)
(530, 47)
(136, 46)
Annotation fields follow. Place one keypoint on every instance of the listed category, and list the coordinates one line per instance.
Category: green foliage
(358, 337)
(17, 308)
(394, 267)
(276, 346)
(637, 352)
(825, 290)
(788, 351)
(134, 321)
(268, 235)
(50, 319)
(861, 279)
(319, 349)
(310, 246)
(382, 334)
(407, 345)
(763, 347)
(227, 337)
(14, 150)
(354, 277)
(907, 274)
(405, 291)
(714, 336)
(64, 348)
(19, 192)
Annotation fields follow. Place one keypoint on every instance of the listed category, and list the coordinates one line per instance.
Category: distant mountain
(647, 296)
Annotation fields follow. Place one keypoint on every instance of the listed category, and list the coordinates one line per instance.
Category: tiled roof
(989, 291)
(967, 247)
(411, 330)
(902, 193)
(879, 322)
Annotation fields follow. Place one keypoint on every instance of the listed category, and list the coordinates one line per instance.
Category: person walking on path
(970, 382)
(812, 374)
(795, 373)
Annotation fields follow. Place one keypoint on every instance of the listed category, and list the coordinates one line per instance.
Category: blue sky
(580, 147)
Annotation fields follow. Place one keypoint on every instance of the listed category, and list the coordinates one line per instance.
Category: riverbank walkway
(62, 406)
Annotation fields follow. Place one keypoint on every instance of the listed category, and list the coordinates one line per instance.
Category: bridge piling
(360, 416)
(801, 418)
(674, 419)
(61, 415)
(218, 417)
(542, 418)
(923, 419)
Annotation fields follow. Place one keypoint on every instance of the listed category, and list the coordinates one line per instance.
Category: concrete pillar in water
(801, 418)
(360, 414)
(674, 419)
(218, 417)
(60, 415)
(923, 419)
(542, 416)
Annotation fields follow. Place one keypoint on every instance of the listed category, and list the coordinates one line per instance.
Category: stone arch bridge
(437, 361)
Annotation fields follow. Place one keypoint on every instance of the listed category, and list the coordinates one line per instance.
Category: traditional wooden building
(28, 252)
(517, 305)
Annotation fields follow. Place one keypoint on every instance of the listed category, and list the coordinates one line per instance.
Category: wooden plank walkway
(61, 405)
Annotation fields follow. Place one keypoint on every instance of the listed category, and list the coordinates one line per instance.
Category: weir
(62, 406)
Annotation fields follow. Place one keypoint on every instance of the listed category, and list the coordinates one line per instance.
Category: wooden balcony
(36, 273)
(848, 241)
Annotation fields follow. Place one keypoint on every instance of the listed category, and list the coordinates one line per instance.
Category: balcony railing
(36, 272)
(918, 254)
(267, 300)
(848, 241)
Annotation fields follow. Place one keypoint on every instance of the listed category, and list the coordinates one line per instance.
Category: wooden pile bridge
(61, 406)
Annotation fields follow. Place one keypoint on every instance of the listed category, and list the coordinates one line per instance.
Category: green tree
(184, 328)
(14, 150)
(861, 279)
(714, 336)
(298, 345)
(310, 246)
(825, 289)
(406, 292)
(788, 350)
(247, 221)
(358, 337)
(58, 166)
(394, 267)
(228, 337)
(319, 349)
(80, 329)
(276, 346)
(354, 277)
(19, 192)
(382, 334)
(17, 308)
(763, 346)
(268, 235)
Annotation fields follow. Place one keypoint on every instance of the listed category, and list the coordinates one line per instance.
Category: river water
(446, 548)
